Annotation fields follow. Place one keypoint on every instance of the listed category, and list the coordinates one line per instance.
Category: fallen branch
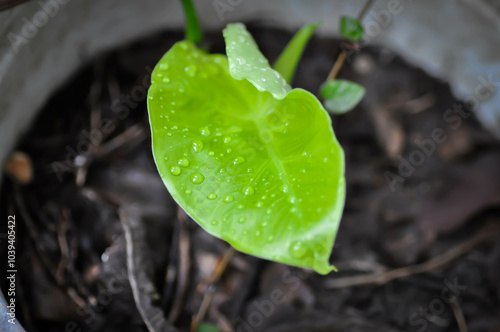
(380, 278)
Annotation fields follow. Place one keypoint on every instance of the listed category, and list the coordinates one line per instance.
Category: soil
(101, 245)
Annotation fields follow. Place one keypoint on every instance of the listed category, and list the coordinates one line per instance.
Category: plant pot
(46, 42)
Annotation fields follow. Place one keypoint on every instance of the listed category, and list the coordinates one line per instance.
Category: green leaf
(246, 62)
(193, 31)
(351, 28)
(206, 327)
(264, 174)
(289, 58)
(341, 96)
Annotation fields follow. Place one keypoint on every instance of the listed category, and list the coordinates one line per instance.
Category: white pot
(44, 42)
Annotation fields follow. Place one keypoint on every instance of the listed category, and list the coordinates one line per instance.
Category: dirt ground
(418, 247)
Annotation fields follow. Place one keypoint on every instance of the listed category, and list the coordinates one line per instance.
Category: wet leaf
(341, 96)
(264, 174)
(246, 62)
(351, 28)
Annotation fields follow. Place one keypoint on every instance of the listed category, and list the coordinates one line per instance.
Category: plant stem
(341, 57)
(193, 31)
(365, 9)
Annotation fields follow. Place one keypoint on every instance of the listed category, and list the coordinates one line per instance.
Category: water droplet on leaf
(205, 131)
(183, 162)
(238, 160)
(197, 178)
(175, 170)
(298, 249)
(197, 146)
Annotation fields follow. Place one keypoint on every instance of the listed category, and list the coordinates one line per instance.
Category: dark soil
(419, 252)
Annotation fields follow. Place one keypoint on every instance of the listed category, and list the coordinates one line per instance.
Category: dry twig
(487, 233)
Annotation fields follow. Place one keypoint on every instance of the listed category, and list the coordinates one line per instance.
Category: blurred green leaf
(341, 95)
(206, 327)
(351, 28)
(289, 58)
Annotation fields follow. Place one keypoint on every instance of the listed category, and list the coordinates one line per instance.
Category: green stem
(193, 31)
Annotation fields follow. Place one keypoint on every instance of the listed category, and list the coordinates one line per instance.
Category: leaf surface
(264, 174)
(247, 62)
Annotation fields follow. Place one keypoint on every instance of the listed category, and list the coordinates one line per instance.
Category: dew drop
(249, 191)
(238, 160)
(214, 222)
(222, 170)
(212, 196)
(298, 249)
(259, 204)
(175, 170)
(258, 233)
(205, 131)
(228, 199)
(269, 211)
(191, 70)
(166, 80)
(242, 220)
(183, 162)
(197, 178)
(241, 206)
(189, 192)
(270, 238)
(197, 146)
(211, 153)
(284, 189)
(227, 139)
(169, 134)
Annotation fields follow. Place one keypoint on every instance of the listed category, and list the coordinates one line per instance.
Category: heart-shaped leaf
(262, 173)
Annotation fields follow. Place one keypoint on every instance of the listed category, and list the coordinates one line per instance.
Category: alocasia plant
(253, 161)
